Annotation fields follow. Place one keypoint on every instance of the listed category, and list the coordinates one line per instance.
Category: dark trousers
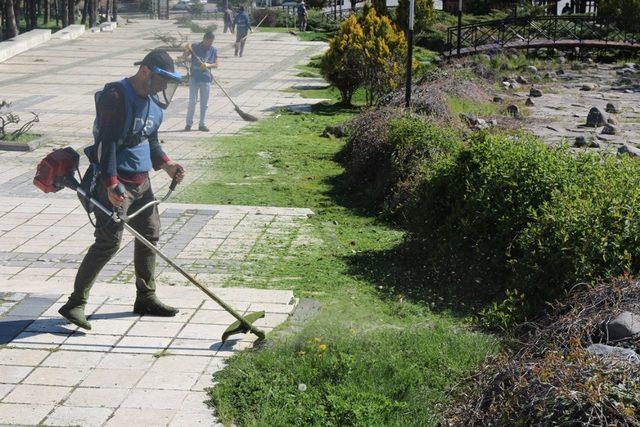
(241, 38)
(108, 236)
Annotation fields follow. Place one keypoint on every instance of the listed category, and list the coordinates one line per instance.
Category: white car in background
(182, 5)
(186, 4)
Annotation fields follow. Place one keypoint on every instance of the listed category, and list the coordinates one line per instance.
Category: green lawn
(307, 36)
(24, 138)
(371, 356)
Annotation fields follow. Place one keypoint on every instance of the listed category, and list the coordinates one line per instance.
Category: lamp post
(407, 96)
(459, 26)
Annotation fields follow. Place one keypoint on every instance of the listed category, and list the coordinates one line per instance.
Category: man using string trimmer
(125, 149)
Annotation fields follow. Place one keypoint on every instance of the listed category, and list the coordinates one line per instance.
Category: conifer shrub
(424, 15)
(368, 52)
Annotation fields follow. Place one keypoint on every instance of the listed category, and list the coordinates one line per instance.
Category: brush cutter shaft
(172, 187)
(260, 334)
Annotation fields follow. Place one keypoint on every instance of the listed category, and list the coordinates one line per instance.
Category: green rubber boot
(73, 311)
(149, 304)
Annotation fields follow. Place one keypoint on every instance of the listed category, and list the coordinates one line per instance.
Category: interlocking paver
(155, 329)
(56, 376)
(11, 413)
(154, 399)
(72, 359)
(5, 389)
(158, 379)
(13, 374)
(139, 345)
(97, 397)
(126, 361)
(9, 356)
(78, 416)
(194, 347)
(37, 394)
(177, 363)
(112, 378)
(81, 341)
(158, 417)
(195, 402)
(199, 418)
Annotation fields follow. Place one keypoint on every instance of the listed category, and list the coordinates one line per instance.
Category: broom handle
(260, 334)
(224, 91)
(256, 27)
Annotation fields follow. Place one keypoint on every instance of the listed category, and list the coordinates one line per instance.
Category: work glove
(203, 67)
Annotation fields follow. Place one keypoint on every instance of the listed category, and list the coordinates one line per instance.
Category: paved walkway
(151, 370)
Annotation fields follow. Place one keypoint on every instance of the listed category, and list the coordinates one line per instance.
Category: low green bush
(316, 21)
(506, 211)
(587, 231)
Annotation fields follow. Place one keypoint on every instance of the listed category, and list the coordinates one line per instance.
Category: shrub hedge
(539, 218)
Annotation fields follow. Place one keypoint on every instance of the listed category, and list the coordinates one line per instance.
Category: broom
(254, 28)
(245, 116)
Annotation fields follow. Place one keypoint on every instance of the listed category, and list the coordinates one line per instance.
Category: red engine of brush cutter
(53, 168)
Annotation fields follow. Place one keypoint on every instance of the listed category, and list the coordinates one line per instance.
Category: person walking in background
(203, 57)
(228, 20)
(302, 16)
(242, 24)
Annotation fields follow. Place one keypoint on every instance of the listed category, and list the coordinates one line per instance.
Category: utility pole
(407, 96)
(459, 26)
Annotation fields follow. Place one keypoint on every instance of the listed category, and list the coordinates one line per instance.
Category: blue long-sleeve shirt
(130, 165)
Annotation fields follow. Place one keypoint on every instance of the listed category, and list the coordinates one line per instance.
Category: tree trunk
(12, 27)
(94, 13)
(92, 18)
(64, 12)
(46, 10)
(33, 13)
(71, 10)
(1, 20)
(85, 9)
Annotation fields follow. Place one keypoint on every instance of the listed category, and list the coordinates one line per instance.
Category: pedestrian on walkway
(302, 16)
(228, 20)
(204, 57)
(126, 148)
(243, 26)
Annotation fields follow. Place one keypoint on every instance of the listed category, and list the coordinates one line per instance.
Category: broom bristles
(246, 116)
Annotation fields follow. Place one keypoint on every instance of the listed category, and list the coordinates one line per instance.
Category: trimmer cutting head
(239, 327)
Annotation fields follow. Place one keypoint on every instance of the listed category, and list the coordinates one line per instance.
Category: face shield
(164, 83)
